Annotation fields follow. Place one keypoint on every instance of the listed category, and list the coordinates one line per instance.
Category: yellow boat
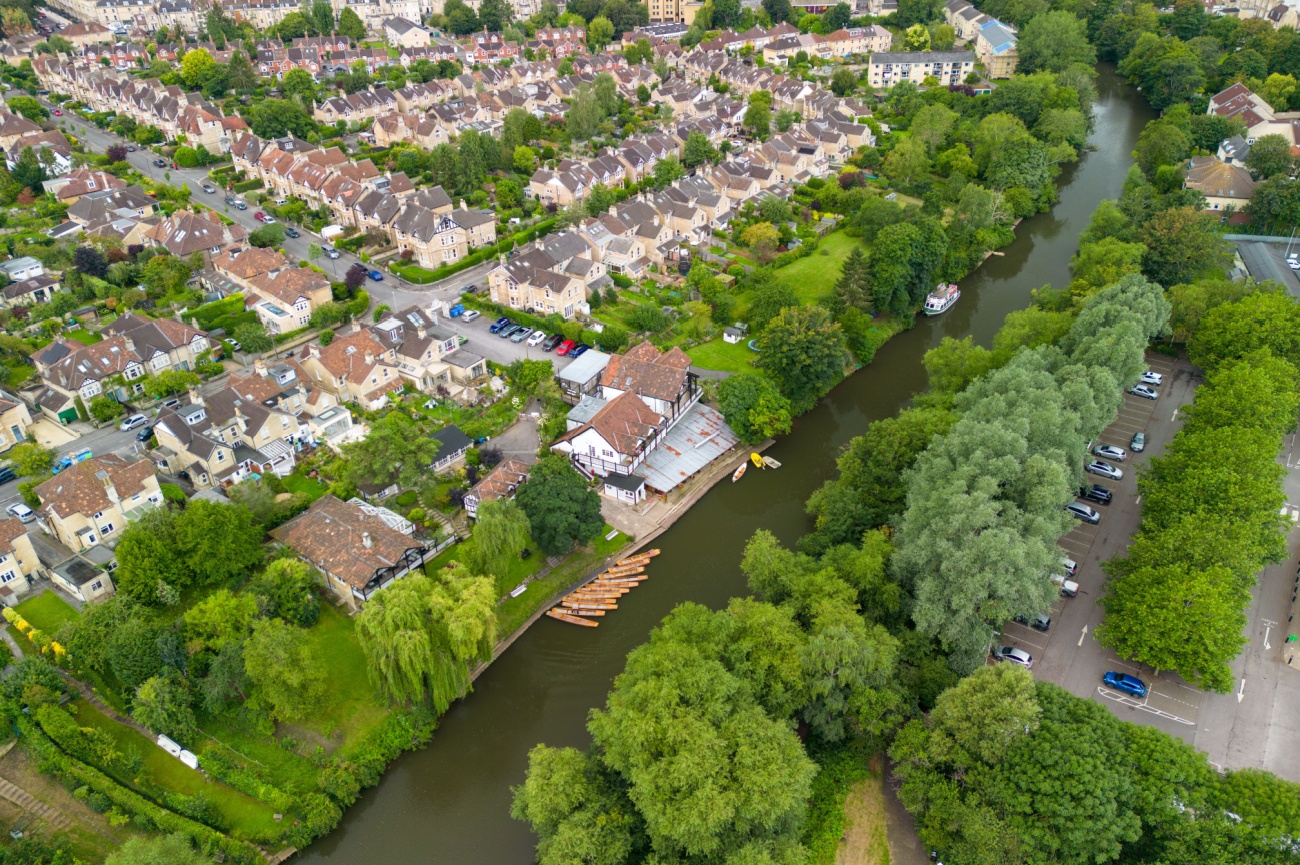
(757, 460)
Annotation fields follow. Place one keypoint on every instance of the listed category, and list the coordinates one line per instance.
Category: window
(221, 456)
(7, 576)
(98, 514)
(97, 585)
(105, 530)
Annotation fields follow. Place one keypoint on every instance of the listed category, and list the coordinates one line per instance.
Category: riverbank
(450, 802)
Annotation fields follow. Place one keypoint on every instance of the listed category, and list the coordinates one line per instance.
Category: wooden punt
(624, 571)
(590, 605)
(572, 620)
(625, 582)
(604, 591)
(576, 612)
(594, 596)
(635, 557)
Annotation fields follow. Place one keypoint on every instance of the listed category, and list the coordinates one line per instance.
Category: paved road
(1259, 729)
(102, 441)
(395, 292)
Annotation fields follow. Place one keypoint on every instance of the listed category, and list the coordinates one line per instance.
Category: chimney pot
(365, 540)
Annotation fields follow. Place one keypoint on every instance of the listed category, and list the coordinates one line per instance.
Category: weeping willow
(422, 636)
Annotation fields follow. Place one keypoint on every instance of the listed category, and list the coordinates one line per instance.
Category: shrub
(247, 185)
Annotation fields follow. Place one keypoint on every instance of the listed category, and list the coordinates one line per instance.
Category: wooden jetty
(572, 620)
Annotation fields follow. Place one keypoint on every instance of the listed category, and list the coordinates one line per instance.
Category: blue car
(376, 276)
(501, 325)
(579, 349)
(1124, 682)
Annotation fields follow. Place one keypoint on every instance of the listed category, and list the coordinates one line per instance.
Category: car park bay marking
(1125, 700)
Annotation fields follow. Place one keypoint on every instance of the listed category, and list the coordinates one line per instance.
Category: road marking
(1241, 692)
(1267, 629)
(1084, 634)
(1138, 501)
(1125, 700)
(1174, 416)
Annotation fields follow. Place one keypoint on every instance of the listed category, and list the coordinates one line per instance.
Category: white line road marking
(1267, 629)
(1174, 416)
(1134, 704)
(1241, 692)
(1084, 634)
(1138, 501)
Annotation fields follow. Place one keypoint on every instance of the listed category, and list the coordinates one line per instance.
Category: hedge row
(247, 185)
(482, 254)
(244, 779)
(55, 761)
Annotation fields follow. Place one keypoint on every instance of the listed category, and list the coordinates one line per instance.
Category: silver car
(1153, 378)
(1105, 469)
(1014, 655)
(1144, 391)
(1111, 452)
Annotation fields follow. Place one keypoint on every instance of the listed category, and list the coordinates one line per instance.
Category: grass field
(814, 275)
(515, 611)
(47, 611)
(716, 354)
(84, 337)
(245, 814)
(352, 703)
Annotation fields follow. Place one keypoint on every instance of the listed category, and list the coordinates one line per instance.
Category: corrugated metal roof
(699, 438)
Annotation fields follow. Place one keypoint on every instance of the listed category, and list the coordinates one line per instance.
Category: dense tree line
(1210, 502)
(977, 541)
(1007, 770)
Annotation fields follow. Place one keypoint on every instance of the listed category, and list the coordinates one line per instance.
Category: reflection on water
(450, 803)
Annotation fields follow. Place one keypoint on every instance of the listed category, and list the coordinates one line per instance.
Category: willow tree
(420, 635)
(501, 532)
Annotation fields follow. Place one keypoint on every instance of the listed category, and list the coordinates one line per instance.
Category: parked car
(537, 338)
(173, 403)
(160, 163)
(565, 347)
(1014, 655)
(133, 422)
(1111, 452)
(579, 349)
(259, 216)
(1069, 588)
(1083, 512)
(1153, 378)
(1131, 685)
(229, 199)
(1105, 469)
(1096, 493)
(1038, 622)
(144, 434)
(130, 148)
(1070, 565)
(552, 342)
(1144, 391)
(471, 314)
(209, 189)
(331, 253)
(269, 220)
(58, 112)
(376, 276)
(239, 205)
(520, 334)
(499, 324)
(22, 512)
(1139, 442)
(234, 345)
(7, 474)
(290, 232)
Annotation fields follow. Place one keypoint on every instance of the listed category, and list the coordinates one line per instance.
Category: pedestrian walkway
(28, 802)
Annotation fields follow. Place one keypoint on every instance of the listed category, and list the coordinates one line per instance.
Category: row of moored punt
(592, 600)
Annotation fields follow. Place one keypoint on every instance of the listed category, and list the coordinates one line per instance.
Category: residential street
(392, 290)
(1258, 723)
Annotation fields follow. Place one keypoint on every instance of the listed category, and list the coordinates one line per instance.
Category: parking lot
(1067, 654)
(494, 348)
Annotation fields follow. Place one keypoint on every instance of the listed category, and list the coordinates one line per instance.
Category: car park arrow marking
(1241, 692)
(1084, 634)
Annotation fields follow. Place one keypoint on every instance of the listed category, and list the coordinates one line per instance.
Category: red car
(58, 112)
(259, 216)
(565, 347)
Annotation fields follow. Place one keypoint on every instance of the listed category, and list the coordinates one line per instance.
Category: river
(450, 802)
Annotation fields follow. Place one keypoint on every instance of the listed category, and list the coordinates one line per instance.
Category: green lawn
(312, 488)
(515, 611)
(47, 611)
(352, 703)
(246, 815)
(519, 570)
(814, 275)
(716, 354)
(84, 337)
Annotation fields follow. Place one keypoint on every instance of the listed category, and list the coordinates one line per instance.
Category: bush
(172, 493)
(247, 185)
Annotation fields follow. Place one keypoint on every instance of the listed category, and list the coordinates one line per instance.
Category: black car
(1096, 493)
(7, 474)
(290, 232)
(144, 434)
(551, 342)
(160, 163)
(229, 199)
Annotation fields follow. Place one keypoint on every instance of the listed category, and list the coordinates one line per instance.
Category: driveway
(487, 344)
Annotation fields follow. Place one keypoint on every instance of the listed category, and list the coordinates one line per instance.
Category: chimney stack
(195, 397)
(365, 540)
(259, 367)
